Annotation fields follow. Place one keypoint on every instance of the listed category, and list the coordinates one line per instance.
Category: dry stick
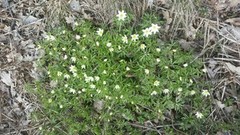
(226, 47)
(1, 106)
(8, 117)
(14, 132)
(224, 90)
(227, 59)
(205, 19)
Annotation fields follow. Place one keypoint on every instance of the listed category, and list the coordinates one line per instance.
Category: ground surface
(24, 22)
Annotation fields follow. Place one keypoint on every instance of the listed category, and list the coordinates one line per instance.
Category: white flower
(158, 60)
(154, 28)
(65, 57)
(50, 100)
(83, 90)
(125, 39)
(153, 93)
(73, 59)
(158, 49)
(109, 44)
(88, 79)
(199, 115)
(77, 37)
(91, 78)
(119, 47)
(97, 78)
(73, 91)
(117, 87)
(92, 86)
(191, 81)
(185, 65)
(59, 73)
(83, 67)
(111, 49)
(105, 60)
(100, 32)
(180, 89)
(147, 32)
(205, 93)
(52, 92)
(76, 24)
(174, 50)
(74, 74)
(156, 83)
(50, 53)
(165, 91)
(64, 49)
(134, 37)
(127, 68)
(104, 82)
(98, 91)
(73, 69)
(192, 92)
(65, 85)
(121, 15)
(104, 72)
(84, 35)
(166, 67)
(204, 70)
(63, 32)
(97, 43)
(66, 76)
(142, 46)
(61, 106)
(121, 96)
(146, 71)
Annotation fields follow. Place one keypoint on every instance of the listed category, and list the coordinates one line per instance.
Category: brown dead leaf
(2, 25)
(190, 33)
(6, 78)
(219, 104)
(229, 109)
(167, 16)
(234, 21)
(75, 5)
(221, 5)
(98, 105)
(231, 33)
(233, 68)
(234, 3)
(187, 45)
(70, 19)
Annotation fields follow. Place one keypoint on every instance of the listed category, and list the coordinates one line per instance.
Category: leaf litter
(22, 23)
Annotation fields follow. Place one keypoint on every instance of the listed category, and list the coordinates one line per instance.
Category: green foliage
(100, 85)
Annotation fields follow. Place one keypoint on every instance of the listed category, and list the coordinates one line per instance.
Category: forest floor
(210, 27)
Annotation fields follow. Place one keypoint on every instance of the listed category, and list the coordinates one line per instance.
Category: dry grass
(99, 11)
(182, 18)
(55, 11)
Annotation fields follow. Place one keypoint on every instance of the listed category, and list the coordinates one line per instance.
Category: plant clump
(112, 81)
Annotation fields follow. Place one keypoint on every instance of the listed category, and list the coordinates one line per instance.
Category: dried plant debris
(21, 24)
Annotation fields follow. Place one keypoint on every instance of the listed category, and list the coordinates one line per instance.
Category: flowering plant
(106, 81)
